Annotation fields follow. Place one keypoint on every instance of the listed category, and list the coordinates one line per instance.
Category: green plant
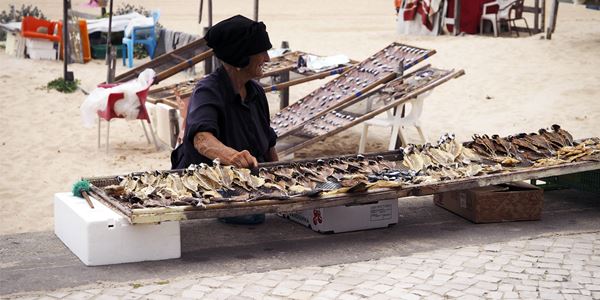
(16, 15)
(63, 86)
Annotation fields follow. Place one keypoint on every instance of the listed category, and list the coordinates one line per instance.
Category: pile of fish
(448, 159)
(547, 147)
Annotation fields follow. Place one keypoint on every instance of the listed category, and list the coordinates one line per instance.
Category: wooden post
(284, 94)
(210, 16)
(208, 63)
(67, 76)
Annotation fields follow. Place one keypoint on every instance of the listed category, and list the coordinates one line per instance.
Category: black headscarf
(235, 39)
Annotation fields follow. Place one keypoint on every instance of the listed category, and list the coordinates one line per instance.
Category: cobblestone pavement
(565, 266)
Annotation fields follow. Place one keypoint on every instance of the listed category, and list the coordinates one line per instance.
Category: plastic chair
(516, 13)
(395, 120)
(498, 11)
(32, 27)
(109, 113)
(145, 35)
(494, 12)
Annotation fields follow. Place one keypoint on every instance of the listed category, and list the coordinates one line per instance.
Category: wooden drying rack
(229, 209)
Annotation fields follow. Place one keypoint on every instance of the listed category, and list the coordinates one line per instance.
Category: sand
(511, 85)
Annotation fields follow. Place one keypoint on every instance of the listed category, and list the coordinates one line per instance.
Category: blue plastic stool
(145, 35)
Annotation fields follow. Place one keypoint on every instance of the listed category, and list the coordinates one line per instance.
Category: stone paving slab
(512, 270)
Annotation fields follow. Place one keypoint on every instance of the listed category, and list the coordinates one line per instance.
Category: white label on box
(463, 199)
(381, 212)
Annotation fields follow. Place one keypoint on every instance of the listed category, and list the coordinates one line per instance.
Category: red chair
(109, 113)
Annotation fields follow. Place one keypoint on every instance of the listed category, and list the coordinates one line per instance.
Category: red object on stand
(470, 15)
(109, 113)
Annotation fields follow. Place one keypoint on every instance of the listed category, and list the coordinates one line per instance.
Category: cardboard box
(346, 218)
(517, 201)
(100, 236)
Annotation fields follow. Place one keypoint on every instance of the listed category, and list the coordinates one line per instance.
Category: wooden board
(378, 69)
(391, 95)
(297, 203)
(172, 62)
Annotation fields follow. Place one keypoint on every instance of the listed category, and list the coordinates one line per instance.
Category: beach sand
(511, 85)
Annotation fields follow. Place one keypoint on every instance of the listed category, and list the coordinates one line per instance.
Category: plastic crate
(586, 181)
(99, 51)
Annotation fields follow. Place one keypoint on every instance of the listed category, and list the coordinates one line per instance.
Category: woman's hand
(243, 159)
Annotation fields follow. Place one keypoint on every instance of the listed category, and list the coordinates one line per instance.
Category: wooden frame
(154, 215)
(183, 57)
(301, 139)
(417, 55)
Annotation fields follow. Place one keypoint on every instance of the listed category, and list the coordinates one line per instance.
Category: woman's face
(255, 68)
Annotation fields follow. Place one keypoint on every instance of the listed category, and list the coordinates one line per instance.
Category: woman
(228, 114)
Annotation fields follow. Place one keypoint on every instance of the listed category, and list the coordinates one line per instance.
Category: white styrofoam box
(100, 236)
(348, 217)
(42, 44)
(42, 53)
(166, 124)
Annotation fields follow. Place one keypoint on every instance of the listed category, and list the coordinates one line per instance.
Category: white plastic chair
(497, 17)
(396, 121)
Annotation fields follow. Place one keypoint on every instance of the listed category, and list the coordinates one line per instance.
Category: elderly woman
(228, 114)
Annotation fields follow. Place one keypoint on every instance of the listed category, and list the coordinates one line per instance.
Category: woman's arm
(208, 145)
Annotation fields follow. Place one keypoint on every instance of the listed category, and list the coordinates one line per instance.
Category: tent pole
(256, 10)
(109, 58)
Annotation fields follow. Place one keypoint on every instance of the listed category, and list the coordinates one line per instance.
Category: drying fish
(503, 145)
(148, 178)
(189, 182)
(284, 172)
(485, 145)
(471, 170)
(547, 162)
(441, 157)
(565, 134)
(298, 189)
(174, 182)
(224, 173)
(129, 183)
(555, 139)
(413, 159)
(264, 173)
